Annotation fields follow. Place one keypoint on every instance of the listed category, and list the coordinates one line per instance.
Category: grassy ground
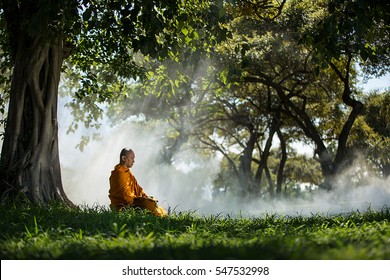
(57, 232)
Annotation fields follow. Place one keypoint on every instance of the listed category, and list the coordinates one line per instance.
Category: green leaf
(187, 39)
(184, 31)
(224, 76)
(195, 35)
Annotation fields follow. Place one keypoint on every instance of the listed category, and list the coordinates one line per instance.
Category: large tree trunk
(30, 156)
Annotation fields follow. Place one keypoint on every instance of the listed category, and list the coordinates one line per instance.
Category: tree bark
(30, 155)
(245, 169)
(282, 163)
(262, 162)
(357, 108)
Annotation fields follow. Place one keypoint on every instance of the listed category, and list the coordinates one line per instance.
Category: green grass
(58, 232)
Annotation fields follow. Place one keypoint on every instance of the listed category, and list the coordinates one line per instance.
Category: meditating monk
(125, 192)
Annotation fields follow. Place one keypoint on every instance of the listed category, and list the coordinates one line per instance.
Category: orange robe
(125, 191)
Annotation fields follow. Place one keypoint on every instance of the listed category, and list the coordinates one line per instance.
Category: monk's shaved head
(124, 154)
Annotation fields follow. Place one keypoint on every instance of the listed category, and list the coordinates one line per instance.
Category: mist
(186, 185)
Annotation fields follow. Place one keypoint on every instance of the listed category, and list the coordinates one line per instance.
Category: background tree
(353, 32)
(302, 174)
(371, 135)
(292, 77)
